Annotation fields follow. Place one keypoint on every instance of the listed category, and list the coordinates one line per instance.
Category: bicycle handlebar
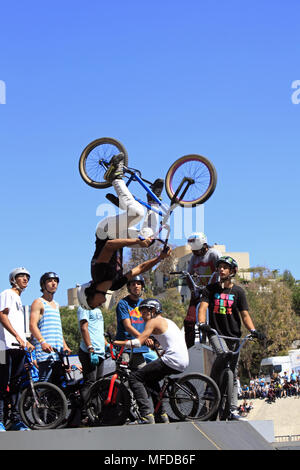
(196, 288)
(232, 338)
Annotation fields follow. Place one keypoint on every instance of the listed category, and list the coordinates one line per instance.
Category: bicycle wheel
(47, 411)
(200, 170)
(195, 397)
(226, 389)
(112, 414)
(90, 168)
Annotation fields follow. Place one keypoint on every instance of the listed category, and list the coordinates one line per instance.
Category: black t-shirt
(224, 308)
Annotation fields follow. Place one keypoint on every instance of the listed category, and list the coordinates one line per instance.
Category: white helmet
(82, 299)
(14, 273)
(196, 240)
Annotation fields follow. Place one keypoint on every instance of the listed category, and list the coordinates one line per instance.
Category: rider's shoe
(148, 419)
(2, 427)
(113, 199)
(234, 416)
(115, 169)
(162, 418)
(19, 426)
(157, 188)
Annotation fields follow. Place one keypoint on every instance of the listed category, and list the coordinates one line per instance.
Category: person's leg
(16, 368)
(121, 225)
(90, 372)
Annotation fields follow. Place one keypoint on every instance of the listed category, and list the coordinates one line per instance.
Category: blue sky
(166, 78)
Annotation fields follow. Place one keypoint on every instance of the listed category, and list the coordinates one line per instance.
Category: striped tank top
(51, 330)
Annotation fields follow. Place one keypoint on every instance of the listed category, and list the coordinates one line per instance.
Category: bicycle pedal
(113, 199)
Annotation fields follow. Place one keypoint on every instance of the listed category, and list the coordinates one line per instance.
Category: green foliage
(296, 299)
(70, 328)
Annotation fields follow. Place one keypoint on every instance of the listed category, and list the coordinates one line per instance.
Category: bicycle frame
(163, 212)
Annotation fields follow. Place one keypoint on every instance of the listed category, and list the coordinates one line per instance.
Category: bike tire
(90, 169)
(52, 407)
(195, 397)
(201, 170)
(113, 414)
(226, 389)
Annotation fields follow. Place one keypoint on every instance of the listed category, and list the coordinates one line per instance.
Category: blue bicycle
(190, 180)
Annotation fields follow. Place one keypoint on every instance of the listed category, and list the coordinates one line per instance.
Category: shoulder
(37, 303)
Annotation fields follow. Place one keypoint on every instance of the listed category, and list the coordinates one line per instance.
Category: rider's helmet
(151, 303)
(136, 278)
(46, 276)
(197, 240)
(82, 295)
(15, 272)
(230, 261)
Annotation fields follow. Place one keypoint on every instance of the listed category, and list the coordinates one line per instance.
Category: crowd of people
(281, 386)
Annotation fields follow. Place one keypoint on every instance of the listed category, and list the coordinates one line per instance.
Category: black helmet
(137, 278)
(230, 261)
(46, 276)
(151, 303)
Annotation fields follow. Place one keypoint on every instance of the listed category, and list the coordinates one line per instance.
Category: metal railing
(288, 438)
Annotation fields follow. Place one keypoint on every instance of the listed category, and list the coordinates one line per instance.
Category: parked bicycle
(190, 180)
(111, 401)
(42, 405)
(71, 387)
(225, 382)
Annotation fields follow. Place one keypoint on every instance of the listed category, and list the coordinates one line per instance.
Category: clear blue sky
(166, 78)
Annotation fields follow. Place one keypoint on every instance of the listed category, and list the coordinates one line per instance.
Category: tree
(70, 328)
(270, 306)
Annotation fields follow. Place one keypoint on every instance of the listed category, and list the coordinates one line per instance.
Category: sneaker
(19, 426)
(148, 419)
(156, 188)
(162, 418)
(236, 417)
(115, 169)
(2, 427)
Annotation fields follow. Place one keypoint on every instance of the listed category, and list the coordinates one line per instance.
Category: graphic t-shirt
(128, 308)
(225, 306)
(204, 265)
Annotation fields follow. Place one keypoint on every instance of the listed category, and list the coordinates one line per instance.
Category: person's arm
(202, 312)
(36, 311)
(247, 320)
(86, 335)
(146, 265)
(8, 326)
(142, 337)
(113, 245)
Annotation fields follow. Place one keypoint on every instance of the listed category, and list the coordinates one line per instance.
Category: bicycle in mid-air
(189, 181)
(111, 401)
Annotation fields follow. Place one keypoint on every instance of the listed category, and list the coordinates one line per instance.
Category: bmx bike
(42, 405)
(111, 401)
(225, 380)
(189, 181)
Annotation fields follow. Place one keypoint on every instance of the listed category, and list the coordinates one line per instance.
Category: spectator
(130, 322)
(203, 264)
(46, 329)
(92, 347)
(12, 331)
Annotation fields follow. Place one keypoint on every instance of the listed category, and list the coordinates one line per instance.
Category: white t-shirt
(173, 343)
(11, 300)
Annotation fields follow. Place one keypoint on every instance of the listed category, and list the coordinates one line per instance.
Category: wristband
(131, 343)
(41, 341)
(90, 347)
